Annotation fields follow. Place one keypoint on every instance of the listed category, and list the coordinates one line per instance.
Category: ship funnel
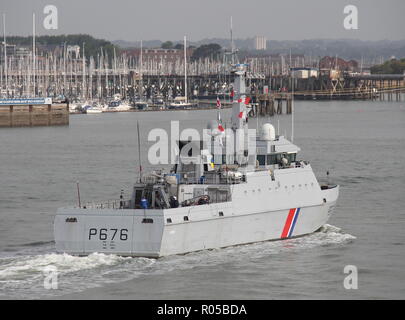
(268, 133)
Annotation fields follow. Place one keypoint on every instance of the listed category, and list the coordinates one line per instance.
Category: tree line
(212, 50)
(393, 66)
(92, 46)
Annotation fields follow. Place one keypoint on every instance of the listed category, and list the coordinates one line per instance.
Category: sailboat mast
(33, 53)
(185, 69)
(83, 75)
(5, 54)
(115, 71)
(141, 74)
(64, 69)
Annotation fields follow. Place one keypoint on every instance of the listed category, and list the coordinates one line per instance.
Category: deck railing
(109, 204)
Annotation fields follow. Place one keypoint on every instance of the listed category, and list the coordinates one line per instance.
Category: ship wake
(23, 276)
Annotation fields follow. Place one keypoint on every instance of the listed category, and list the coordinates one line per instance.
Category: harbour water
(361, 143)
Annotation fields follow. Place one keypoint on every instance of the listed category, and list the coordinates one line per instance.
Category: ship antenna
(78, 193)
(139, 153)
(292, 106)
(232, 44)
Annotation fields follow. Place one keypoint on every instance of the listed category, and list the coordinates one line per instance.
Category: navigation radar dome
(268, 132)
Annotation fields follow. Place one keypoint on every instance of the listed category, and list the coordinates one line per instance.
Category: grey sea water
(361, 143)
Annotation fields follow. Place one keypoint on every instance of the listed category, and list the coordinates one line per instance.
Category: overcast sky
(172, 19)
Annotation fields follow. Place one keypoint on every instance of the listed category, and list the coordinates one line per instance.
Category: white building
(260, 43)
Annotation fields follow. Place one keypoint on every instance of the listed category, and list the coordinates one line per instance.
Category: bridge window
(273, 158)
(138, 197)
(261, 159)
(291, 157)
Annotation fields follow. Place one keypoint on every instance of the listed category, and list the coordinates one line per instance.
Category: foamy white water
(23, 276)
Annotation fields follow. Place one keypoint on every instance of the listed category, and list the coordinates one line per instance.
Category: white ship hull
(271, 212)
(94, 111)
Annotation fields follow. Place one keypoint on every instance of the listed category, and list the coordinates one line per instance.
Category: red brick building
(338, 63)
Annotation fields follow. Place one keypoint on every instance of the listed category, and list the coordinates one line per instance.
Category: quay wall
(34, 115)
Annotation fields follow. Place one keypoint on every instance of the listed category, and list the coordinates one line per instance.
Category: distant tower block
(260, 43)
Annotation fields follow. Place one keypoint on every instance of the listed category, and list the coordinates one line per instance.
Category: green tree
(92, 46)
(212, 50)
(392, 66)
(167, 45)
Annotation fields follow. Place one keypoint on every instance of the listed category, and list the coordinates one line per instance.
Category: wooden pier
(32, 115)
(271, 104)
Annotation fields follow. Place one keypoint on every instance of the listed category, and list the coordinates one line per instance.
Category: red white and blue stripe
(290, 223)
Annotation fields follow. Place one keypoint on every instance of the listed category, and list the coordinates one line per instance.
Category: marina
(139, 79)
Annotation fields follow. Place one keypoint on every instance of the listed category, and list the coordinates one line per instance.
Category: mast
(239, 116)
(83, 75)
(64, 68)
(232, 44)
(33, 53)
(139, 153)
(91, 68)
(5, 54)
(185, 69)
(141, 74)
(292, 106)
(115, 71)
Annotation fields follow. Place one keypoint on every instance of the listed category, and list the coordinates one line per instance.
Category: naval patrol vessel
(209, 201)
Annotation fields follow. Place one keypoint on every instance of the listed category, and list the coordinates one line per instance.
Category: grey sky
(172, 19)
